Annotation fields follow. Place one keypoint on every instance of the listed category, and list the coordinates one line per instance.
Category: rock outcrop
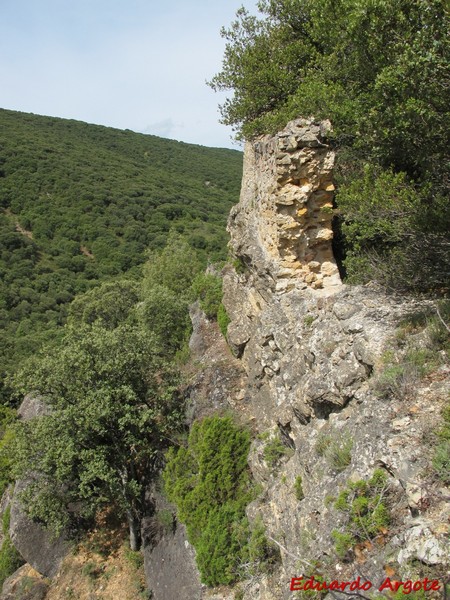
(37, 545)
(282, 226)
(312, 349)
(24, 584)
(309, 351)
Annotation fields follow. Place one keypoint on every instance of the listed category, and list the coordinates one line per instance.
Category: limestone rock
(286, 207)
(24, 584)
(170, 567)
(32, 406)
(36, 544)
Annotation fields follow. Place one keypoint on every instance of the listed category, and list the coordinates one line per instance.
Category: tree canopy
(110, 384)
(81, 204)
(379, 69)
(112, 404)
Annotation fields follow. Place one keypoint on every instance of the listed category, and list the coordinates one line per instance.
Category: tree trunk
(135, 531)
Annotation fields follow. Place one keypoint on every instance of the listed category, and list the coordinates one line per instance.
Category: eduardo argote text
(303, 584)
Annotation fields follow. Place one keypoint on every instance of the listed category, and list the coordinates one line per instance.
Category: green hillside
(81, 203)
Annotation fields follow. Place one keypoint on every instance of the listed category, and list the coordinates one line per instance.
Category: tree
(379, 70)
(110, 303)
(166, 315)
(173, 267)
(112, 407)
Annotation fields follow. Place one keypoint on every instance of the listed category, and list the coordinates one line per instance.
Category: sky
(130, 64)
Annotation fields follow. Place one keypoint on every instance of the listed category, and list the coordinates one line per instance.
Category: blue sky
(131, 64)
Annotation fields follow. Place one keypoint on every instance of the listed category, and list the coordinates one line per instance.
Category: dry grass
(100, 568)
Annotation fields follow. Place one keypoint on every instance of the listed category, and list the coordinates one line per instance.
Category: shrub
(261, 555)
(441, 461)
(208, 289)
(166, 519)
(223, 320)
(322, 443)
(274, 450)
(298, 488)
(441, 458)
(166, 314)
(339, 453)
(10, 559)
(364, 503)
(308, 320)
(239, 266)
(134, 558)
(209, 483)
(342, 542)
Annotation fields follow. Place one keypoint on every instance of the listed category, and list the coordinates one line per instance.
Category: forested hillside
(82, 203)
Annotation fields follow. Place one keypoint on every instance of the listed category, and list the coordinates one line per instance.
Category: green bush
(134, 558)
(239, 266)
(441, 458)
(208, 289)
(365, 504)
(322, 443)
(209, 483)
(223, 320)
(339, 453)
(298, 488)
(166, 519)
(165, 314)
(274, 450)
(441, 461)
(403, 369)
(262, 554)
(10, 559)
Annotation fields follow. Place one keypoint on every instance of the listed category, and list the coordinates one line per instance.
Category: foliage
(379, 71)
(174, 267)
(339, 453)
(298, 488)
(10, 559)
(112, 404)
(81, 203)
(407, 362)
(274, 450)
(7, 418)
(335, 448)
(109, 304)
(322, 443)
(441, 458)
(166, 519)
(308, 320)
(239, 266)
(223, 320)
(260, 555)
(166, 314)
(209, 483)
(364, 503)
(208, 289)
(134, 558)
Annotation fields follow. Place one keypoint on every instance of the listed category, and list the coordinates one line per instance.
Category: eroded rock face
(282, 224)
(36, 544)
(170, 567)
(310, 347)
(24, 584)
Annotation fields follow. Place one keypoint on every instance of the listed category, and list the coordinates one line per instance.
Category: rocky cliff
(339, 386)
(342, 386)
